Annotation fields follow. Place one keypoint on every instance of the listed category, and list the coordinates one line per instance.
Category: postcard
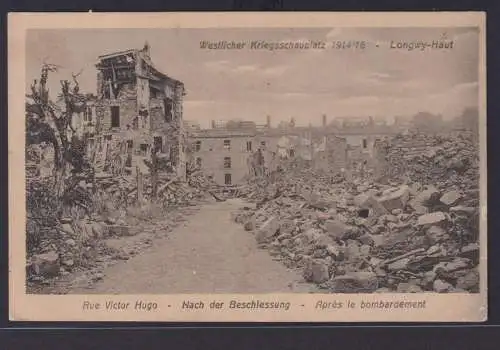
(247, 167)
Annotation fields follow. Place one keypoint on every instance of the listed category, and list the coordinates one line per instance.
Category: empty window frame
(168, 106)
(115, 116)
(197, 146)
(158, 143)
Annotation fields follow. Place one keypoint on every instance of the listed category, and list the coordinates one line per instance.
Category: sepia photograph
(253, 160)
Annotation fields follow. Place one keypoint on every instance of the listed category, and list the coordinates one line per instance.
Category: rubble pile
(359, 236)
(68, 260)
(98, 207)
(171, 191)
(175, 192)
(442, 160)
(294, 179)
(69, 245)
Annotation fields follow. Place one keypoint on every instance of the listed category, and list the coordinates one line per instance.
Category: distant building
(427, 122)
(380, 121)
(140, 108)
(352, 122)
(224, 153)
(191, 126)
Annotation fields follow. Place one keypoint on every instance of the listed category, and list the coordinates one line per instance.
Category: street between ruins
(208, 254)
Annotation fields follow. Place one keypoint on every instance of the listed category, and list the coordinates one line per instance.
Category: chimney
(268, 121)
(213, 124)
(147, 49)
(324, 120)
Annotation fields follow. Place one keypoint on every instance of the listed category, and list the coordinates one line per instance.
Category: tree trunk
(154, 174)
(140, 187)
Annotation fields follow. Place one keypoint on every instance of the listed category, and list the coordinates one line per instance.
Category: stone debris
(355, 282)
(435, 218)
(47, 264)
(437, 234)
(451, 198)
(316, 272)
(268, 229)
(394, 199)
(119, 230)
(416, 231)
(77, 241)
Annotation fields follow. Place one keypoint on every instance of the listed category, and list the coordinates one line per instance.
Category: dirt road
(208, 254)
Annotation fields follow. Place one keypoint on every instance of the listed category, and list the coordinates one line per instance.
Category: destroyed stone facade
(228, 156)
(325, 148)
(139, 108)
(332, 154)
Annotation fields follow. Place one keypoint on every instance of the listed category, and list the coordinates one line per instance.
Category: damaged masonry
(119, 160)
(140, 110)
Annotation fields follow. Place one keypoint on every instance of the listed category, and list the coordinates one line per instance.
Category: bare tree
(46, 122)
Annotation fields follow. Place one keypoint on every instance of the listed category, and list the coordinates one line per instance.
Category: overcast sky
(250, 84)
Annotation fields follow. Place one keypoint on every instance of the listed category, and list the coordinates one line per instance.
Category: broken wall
(170, 127)
(127, 104)
(380, 153)
(334, 156)
(142, 93)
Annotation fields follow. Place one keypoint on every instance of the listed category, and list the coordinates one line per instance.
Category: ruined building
(225, 151)
(228, 153)
(139, 110)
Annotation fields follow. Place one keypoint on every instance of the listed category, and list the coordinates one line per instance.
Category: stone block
(355, 282)
(336, 228)
(363, 200)
(452, 266)
(367, 200)
(450, 198)
(440, 286)
(405, 287)
(437, 234)
(71, 242)
(335, 252)
(471, 252)
(119, 230)
(268, 229)
(428, 197)
(46, 264)
(436, 218)
(395, 199)
(401, 264)
(67, 228)
(98, 230)
(418, 207)
(316, 272)
(469, 282)
(462, 210)
(367, 239)
(249, 225)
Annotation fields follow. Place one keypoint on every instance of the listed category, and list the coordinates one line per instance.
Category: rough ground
(208, 254)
